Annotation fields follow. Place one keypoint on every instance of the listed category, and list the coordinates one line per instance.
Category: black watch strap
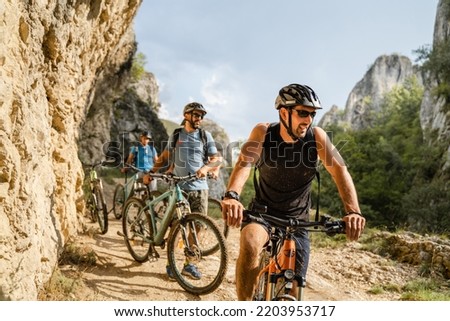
(231, 194)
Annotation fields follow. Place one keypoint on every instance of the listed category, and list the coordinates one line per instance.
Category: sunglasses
(197, 115)
(303, 113)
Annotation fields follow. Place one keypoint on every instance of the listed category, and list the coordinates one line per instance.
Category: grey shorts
(198, 200)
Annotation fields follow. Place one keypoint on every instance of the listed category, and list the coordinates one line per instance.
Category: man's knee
(253, 239)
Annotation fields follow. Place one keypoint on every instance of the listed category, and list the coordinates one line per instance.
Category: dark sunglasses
(303, 113)
(197, 115)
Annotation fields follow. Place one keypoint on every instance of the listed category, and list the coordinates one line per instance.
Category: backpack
(135, 150)
(203, 138)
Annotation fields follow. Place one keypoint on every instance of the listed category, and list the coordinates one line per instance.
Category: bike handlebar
(166, 177)
(328, 226)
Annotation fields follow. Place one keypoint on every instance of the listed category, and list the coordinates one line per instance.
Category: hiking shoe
(191, 270)
(169, 272)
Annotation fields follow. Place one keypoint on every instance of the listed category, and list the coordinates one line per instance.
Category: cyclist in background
(191, 150)
(143, 156)
(286, 156)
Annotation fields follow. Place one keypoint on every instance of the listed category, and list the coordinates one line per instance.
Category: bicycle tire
(137, 229)
(118, 201)
(215, 213)
(261, 285)
(90, 205)
(213, 267)
(100, 208)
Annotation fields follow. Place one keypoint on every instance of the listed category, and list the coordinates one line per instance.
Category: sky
(233, 56)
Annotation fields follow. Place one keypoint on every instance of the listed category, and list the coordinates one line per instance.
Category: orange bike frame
(285, 261)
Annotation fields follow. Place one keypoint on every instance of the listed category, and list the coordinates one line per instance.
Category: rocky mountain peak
(366, 97)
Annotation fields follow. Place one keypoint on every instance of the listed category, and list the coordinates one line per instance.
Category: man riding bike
(286, 155)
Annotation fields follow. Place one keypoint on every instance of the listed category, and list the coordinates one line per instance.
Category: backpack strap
(203, 138)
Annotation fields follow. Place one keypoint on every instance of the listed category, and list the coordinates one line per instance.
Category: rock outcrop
(53, 55)
(366, 97)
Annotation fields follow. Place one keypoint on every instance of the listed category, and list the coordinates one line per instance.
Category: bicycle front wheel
(263, 278)
(137, 229)
(101, 212)
(215, 213)
(188, 239)
(118, 201)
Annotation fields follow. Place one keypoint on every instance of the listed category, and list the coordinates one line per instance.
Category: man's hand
(146, 179)
(124, 169)
(202, 172)
(232, 212)
(354, 225)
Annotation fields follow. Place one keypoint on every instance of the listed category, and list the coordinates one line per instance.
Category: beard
(301, 130)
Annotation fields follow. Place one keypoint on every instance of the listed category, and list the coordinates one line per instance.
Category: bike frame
(129, 184)
(93, 182)
(282, 258)
(282, 265)
(176, 200)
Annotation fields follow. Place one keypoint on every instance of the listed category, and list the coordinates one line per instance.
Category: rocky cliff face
(53, 55)
(389, 71)
(366, 97)
(433, 116)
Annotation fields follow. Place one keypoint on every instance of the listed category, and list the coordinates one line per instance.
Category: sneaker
(169, 272)
(191, 270)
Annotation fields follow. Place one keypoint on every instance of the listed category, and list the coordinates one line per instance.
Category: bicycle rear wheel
(200, 231)
(137, 229)
(118, 201)
(100, 208)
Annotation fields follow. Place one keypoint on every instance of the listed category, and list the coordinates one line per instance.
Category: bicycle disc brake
(193, 253)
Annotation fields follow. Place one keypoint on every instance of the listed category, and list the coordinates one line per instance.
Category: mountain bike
(167, 221)
(95, 198)
(132, 186)
(277, 277)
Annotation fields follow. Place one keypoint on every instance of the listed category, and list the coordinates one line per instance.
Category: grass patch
(76, 255)
(373, 240)
(382, 288)
(321, 240)
(425, 289)
(60, 287)
(64, 286)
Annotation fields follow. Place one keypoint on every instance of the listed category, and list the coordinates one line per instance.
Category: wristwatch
(231, 194)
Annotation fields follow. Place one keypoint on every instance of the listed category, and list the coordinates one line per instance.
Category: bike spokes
(195, 272)
(137, 229)
(118, 201)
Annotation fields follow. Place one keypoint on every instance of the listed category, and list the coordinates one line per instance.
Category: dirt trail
(346, 273)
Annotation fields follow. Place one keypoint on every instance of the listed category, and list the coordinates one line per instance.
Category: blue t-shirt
(188, 156)
(143, 156)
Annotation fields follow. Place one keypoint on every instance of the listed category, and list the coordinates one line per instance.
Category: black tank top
(286, 172)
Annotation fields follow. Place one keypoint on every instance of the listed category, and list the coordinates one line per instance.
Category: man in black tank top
(286, 155)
